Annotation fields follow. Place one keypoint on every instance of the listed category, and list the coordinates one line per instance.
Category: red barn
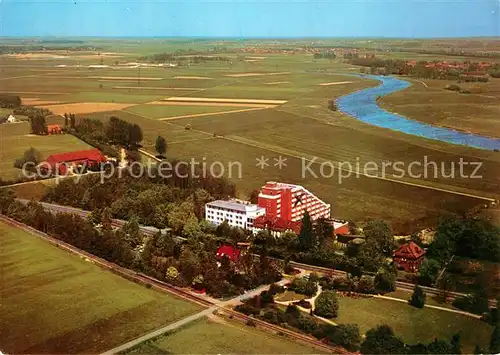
(409, 256)
(61, 161)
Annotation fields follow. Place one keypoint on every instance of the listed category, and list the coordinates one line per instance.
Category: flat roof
(232, 205)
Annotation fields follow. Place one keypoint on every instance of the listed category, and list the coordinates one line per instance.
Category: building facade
(290, 202)
(237, 213)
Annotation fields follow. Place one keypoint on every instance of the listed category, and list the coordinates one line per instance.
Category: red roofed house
(229, 251)
(54, 129)
(409, 256)
(275, 225)
(58, 163)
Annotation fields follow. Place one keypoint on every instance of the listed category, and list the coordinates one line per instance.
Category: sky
(255, 18)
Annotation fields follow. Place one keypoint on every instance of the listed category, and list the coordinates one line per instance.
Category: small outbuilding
(11, 119)
(409, 256)
(54, 129)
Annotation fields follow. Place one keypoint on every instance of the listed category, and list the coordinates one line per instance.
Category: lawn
(207, 336)
(55, 302)
(15, 140)
(413, 324)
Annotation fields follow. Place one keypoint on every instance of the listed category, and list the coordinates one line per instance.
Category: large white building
(237, 213)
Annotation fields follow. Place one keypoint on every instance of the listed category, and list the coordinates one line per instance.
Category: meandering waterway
(363, 106)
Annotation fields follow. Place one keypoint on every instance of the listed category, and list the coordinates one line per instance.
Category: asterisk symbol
(280, 162)
(262, 162)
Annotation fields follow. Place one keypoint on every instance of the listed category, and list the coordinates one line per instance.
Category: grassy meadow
(414, 325)
(217, 336)
(55, 302)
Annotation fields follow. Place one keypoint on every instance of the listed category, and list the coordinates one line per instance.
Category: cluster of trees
(14, 102)
(189, 54)
(383, 340)
(400, 67)
(10, 101)
(314, 245)
(176, 202)
(191, 263)
(161, 146)
(123, 133)
(468, 237)
(91, 131)
(332, 106)
(325, 55)
(31, 111)
(384, 281)
(38, 125)
(264, 308)
(31, 155)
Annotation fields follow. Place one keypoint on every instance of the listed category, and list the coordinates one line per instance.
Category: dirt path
(431, 306)
(211, 113)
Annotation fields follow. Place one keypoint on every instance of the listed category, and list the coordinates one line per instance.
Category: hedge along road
(363, 106)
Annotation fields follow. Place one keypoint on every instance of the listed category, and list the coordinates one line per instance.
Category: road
(158, 332)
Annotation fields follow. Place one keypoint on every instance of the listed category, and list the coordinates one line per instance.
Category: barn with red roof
(60, 162)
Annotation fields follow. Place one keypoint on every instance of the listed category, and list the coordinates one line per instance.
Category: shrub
(247, 309)
(477, 303)
(266, 297)
(385, 280)
(307, 324)
(347, 336)
(327, 305)
(343, 284)
(275, 289)
(366, 285)
(304, 287)
(187, 127)
(293, 311)
(418, 297)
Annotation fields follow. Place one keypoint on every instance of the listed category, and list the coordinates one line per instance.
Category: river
(363, 106)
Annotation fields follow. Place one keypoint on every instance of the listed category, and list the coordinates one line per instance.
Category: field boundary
(211, 113)
(319, 160)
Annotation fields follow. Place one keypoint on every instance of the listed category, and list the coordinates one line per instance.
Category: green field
(15, 140)
(54, 302)
(302, 127)
(412, 324)
(207, 336)
(475, 113)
